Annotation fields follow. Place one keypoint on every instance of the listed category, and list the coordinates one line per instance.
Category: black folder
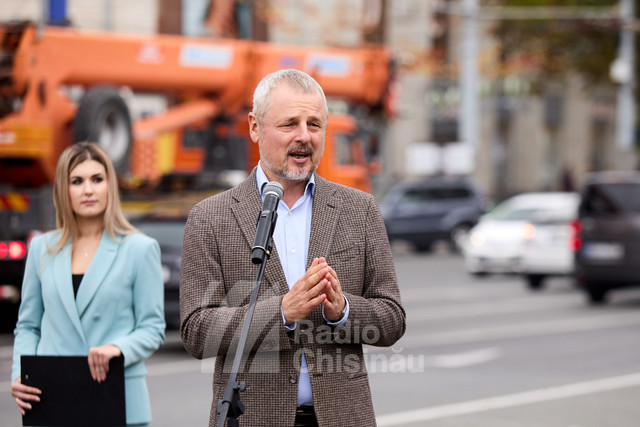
(70, 397)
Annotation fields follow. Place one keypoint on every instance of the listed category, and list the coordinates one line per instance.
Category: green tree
(586, 46)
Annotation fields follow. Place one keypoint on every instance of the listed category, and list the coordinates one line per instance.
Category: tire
(535, 282)
(8, 317)
(458, 237)
(596, 295)
(424, 247)
(103, 118)
(479, 274)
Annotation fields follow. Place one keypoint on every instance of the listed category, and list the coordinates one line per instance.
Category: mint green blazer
(119, 302)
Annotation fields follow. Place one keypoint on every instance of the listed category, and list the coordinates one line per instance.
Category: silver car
(548, 244)
(526, 234)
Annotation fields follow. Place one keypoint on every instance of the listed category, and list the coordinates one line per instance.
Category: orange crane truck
(63, 85)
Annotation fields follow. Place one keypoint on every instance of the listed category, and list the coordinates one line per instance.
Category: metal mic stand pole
(230, 405)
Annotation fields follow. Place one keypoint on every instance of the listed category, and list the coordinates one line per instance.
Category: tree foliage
(555, 46)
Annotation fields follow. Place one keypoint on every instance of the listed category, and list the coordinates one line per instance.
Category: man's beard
(290, 174)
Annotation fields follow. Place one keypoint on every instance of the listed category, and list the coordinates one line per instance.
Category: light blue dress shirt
(291, 238)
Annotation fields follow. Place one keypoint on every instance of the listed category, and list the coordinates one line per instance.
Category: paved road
(477, 353)
(497, 355)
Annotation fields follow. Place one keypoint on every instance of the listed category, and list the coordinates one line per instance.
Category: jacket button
(292, 379)
(96, 317)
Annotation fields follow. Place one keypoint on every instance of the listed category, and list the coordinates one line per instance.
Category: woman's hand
(99, 358)
(24, 394)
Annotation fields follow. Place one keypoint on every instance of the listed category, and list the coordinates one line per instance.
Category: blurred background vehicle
(547, 249)
(196, 140)
(438, 208)
(168, 230)
(607, 240)
(23, 215)
(165, 85)
(499, 241)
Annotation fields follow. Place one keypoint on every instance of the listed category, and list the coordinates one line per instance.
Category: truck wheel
(104, 118)
(8, 317)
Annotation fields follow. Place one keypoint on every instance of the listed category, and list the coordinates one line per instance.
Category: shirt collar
(262, 180)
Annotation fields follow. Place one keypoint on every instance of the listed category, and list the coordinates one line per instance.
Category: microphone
(272, 192)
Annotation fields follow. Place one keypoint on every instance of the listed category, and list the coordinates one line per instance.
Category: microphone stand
(230, 406)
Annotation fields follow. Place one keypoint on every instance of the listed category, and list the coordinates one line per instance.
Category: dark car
(437, 208)
(168, 231)
(607, 240)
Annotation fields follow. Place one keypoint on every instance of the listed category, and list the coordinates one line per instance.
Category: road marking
(463, 360)
(509, 400)
(181, 366)
(501, 306)
(503, 332)
(413, 296)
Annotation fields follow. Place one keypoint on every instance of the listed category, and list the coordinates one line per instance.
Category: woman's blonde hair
(115, 222)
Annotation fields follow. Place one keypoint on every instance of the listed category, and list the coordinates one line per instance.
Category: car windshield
(561, 214)
(168, 234)
(612, 199)
(509, 213)
(420, 195)
(552, 210)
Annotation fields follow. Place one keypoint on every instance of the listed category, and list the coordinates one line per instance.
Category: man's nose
(303, 135)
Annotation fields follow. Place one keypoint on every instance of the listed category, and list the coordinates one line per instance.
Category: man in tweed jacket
(304, 360)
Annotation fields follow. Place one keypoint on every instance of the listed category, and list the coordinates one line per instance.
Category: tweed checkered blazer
(217, 278)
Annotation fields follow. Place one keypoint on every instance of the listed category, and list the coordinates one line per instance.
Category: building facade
(528, 141)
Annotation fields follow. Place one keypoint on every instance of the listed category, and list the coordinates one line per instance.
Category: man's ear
(253, 127)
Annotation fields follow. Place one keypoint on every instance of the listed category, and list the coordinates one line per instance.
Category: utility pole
(623, 71)
(107, 19)
(468, 121)
(43, 18)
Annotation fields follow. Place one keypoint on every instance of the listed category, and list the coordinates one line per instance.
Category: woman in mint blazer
(93, 286)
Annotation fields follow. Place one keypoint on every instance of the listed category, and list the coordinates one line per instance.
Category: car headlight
(529, 231)
(476, 239)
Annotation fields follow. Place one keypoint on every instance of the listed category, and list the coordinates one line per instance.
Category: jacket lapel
(62, 276)
(95, 274)
(324, 217)
(246, 207)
